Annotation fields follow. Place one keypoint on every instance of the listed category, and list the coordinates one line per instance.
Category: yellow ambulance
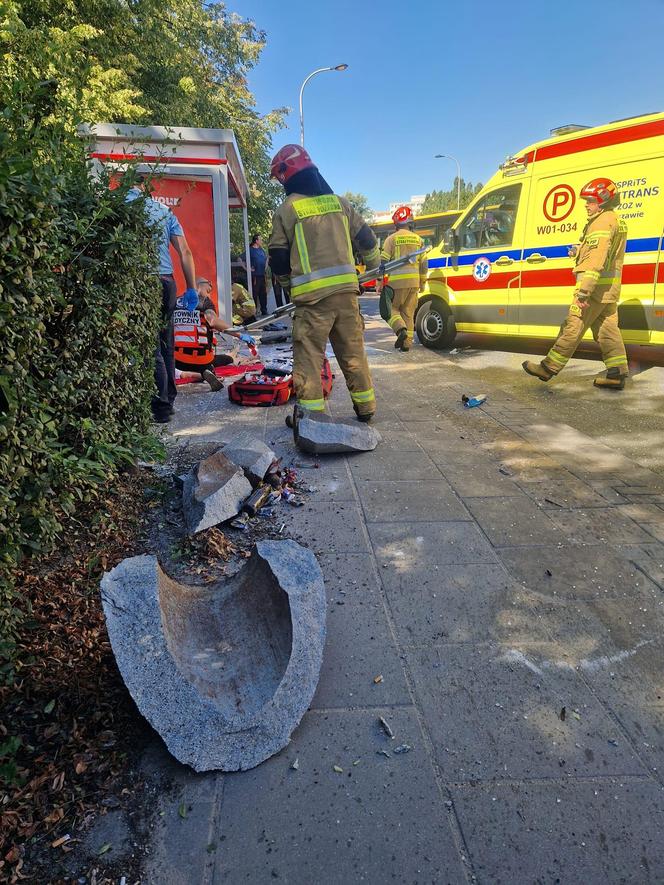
(503, 268)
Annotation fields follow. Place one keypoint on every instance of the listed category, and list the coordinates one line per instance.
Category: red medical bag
(273, 389)
(261, 390)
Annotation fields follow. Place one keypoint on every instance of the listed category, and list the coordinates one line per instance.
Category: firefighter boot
(612, 379)
(364, 418)
(292, 420)
(538, 370)
(402, 334)
(214, 382)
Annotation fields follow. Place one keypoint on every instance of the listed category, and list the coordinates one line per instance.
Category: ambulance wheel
(434, 324)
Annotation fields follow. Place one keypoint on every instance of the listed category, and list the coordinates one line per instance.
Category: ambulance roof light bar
(567, 129)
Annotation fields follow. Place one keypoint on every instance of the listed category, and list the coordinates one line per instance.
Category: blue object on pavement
(471, 401)
(247, 338)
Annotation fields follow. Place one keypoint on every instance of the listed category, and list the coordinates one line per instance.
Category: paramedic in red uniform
(194, 336)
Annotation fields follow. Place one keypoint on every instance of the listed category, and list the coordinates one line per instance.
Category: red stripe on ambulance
(602, 139)
(531, 279)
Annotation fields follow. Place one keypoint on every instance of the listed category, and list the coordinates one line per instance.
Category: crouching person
(194, 336)
(244, 306)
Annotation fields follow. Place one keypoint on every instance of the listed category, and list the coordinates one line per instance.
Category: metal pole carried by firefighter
(314, 234)
(598, 269)
(403, 284)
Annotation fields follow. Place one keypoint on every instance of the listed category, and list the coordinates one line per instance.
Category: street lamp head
(342, 67)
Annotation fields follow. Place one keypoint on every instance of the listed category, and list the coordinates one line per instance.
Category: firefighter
(598, 268)
(244, 306)
(194, 336)
(311, 251)
(407, 281)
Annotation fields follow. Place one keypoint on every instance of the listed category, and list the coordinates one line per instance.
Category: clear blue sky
(477, 80)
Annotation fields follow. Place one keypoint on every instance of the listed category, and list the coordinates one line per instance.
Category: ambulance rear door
(482, 277)
(556, 219)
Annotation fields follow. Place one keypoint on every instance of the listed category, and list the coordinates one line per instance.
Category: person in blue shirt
(258, 260)
(170, 233)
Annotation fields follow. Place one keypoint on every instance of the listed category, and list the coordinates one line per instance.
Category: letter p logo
(559, 202)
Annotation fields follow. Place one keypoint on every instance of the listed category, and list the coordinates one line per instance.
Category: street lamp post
(313, 74)
(448, 157)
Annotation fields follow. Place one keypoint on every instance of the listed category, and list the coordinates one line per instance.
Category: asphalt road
(630, 421)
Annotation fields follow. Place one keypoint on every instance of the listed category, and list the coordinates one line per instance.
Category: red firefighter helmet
(403, 215)
(290, 159)
(600, 189)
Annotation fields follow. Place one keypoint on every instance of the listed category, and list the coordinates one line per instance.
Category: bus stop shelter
(200, 176)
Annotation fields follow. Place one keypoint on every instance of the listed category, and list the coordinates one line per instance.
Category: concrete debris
(251, 454)
(320, 434)
(386, 727)
(213, 492)
(223, 672)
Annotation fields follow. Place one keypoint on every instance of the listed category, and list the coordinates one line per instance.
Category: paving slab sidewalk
(504, 575)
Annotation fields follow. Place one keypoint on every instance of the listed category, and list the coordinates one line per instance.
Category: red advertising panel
(191, 202)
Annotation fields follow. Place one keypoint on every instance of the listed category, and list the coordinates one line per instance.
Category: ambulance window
(491, 222)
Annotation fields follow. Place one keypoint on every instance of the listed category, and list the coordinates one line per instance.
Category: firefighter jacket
(320, 233)
(194, 337)
(600, 255)
(400, 243)
(243, 304)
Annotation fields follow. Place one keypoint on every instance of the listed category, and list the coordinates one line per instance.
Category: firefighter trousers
(338, 318)
(603, 320)
(404, 305)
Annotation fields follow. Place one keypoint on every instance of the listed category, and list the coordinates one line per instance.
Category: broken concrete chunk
(223, 673)
(321, 434)
(213, 492)
(251, 454)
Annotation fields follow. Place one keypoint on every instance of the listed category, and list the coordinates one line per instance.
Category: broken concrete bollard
(320, 434)
(223, 673)
(213, 492)
(251, 454)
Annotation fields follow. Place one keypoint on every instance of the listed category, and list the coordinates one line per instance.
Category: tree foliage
(441, 201)
(150, 62)
(360, 203)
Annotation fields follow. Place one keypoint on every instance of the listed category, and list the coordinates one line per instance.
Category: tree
(360, 203)
(166, 62)
(441, 201)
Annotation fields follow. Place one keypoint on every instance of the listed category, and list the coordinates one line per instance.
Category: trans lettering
(633, 194)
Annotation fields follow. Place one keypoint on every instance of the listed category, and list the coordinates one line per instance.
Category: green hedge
(78, 314)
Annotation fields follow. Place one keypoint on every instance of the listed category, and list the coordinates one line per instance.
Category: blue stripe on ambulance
(639, 244)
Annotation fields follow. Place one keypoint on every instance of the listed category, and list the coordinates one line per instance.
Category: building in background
(416, 202)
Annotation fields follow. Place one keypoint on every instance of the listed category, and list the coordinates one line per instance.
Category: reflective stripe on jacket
(410, 276)
(319, 232)
(600, 256)
(194, 338)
